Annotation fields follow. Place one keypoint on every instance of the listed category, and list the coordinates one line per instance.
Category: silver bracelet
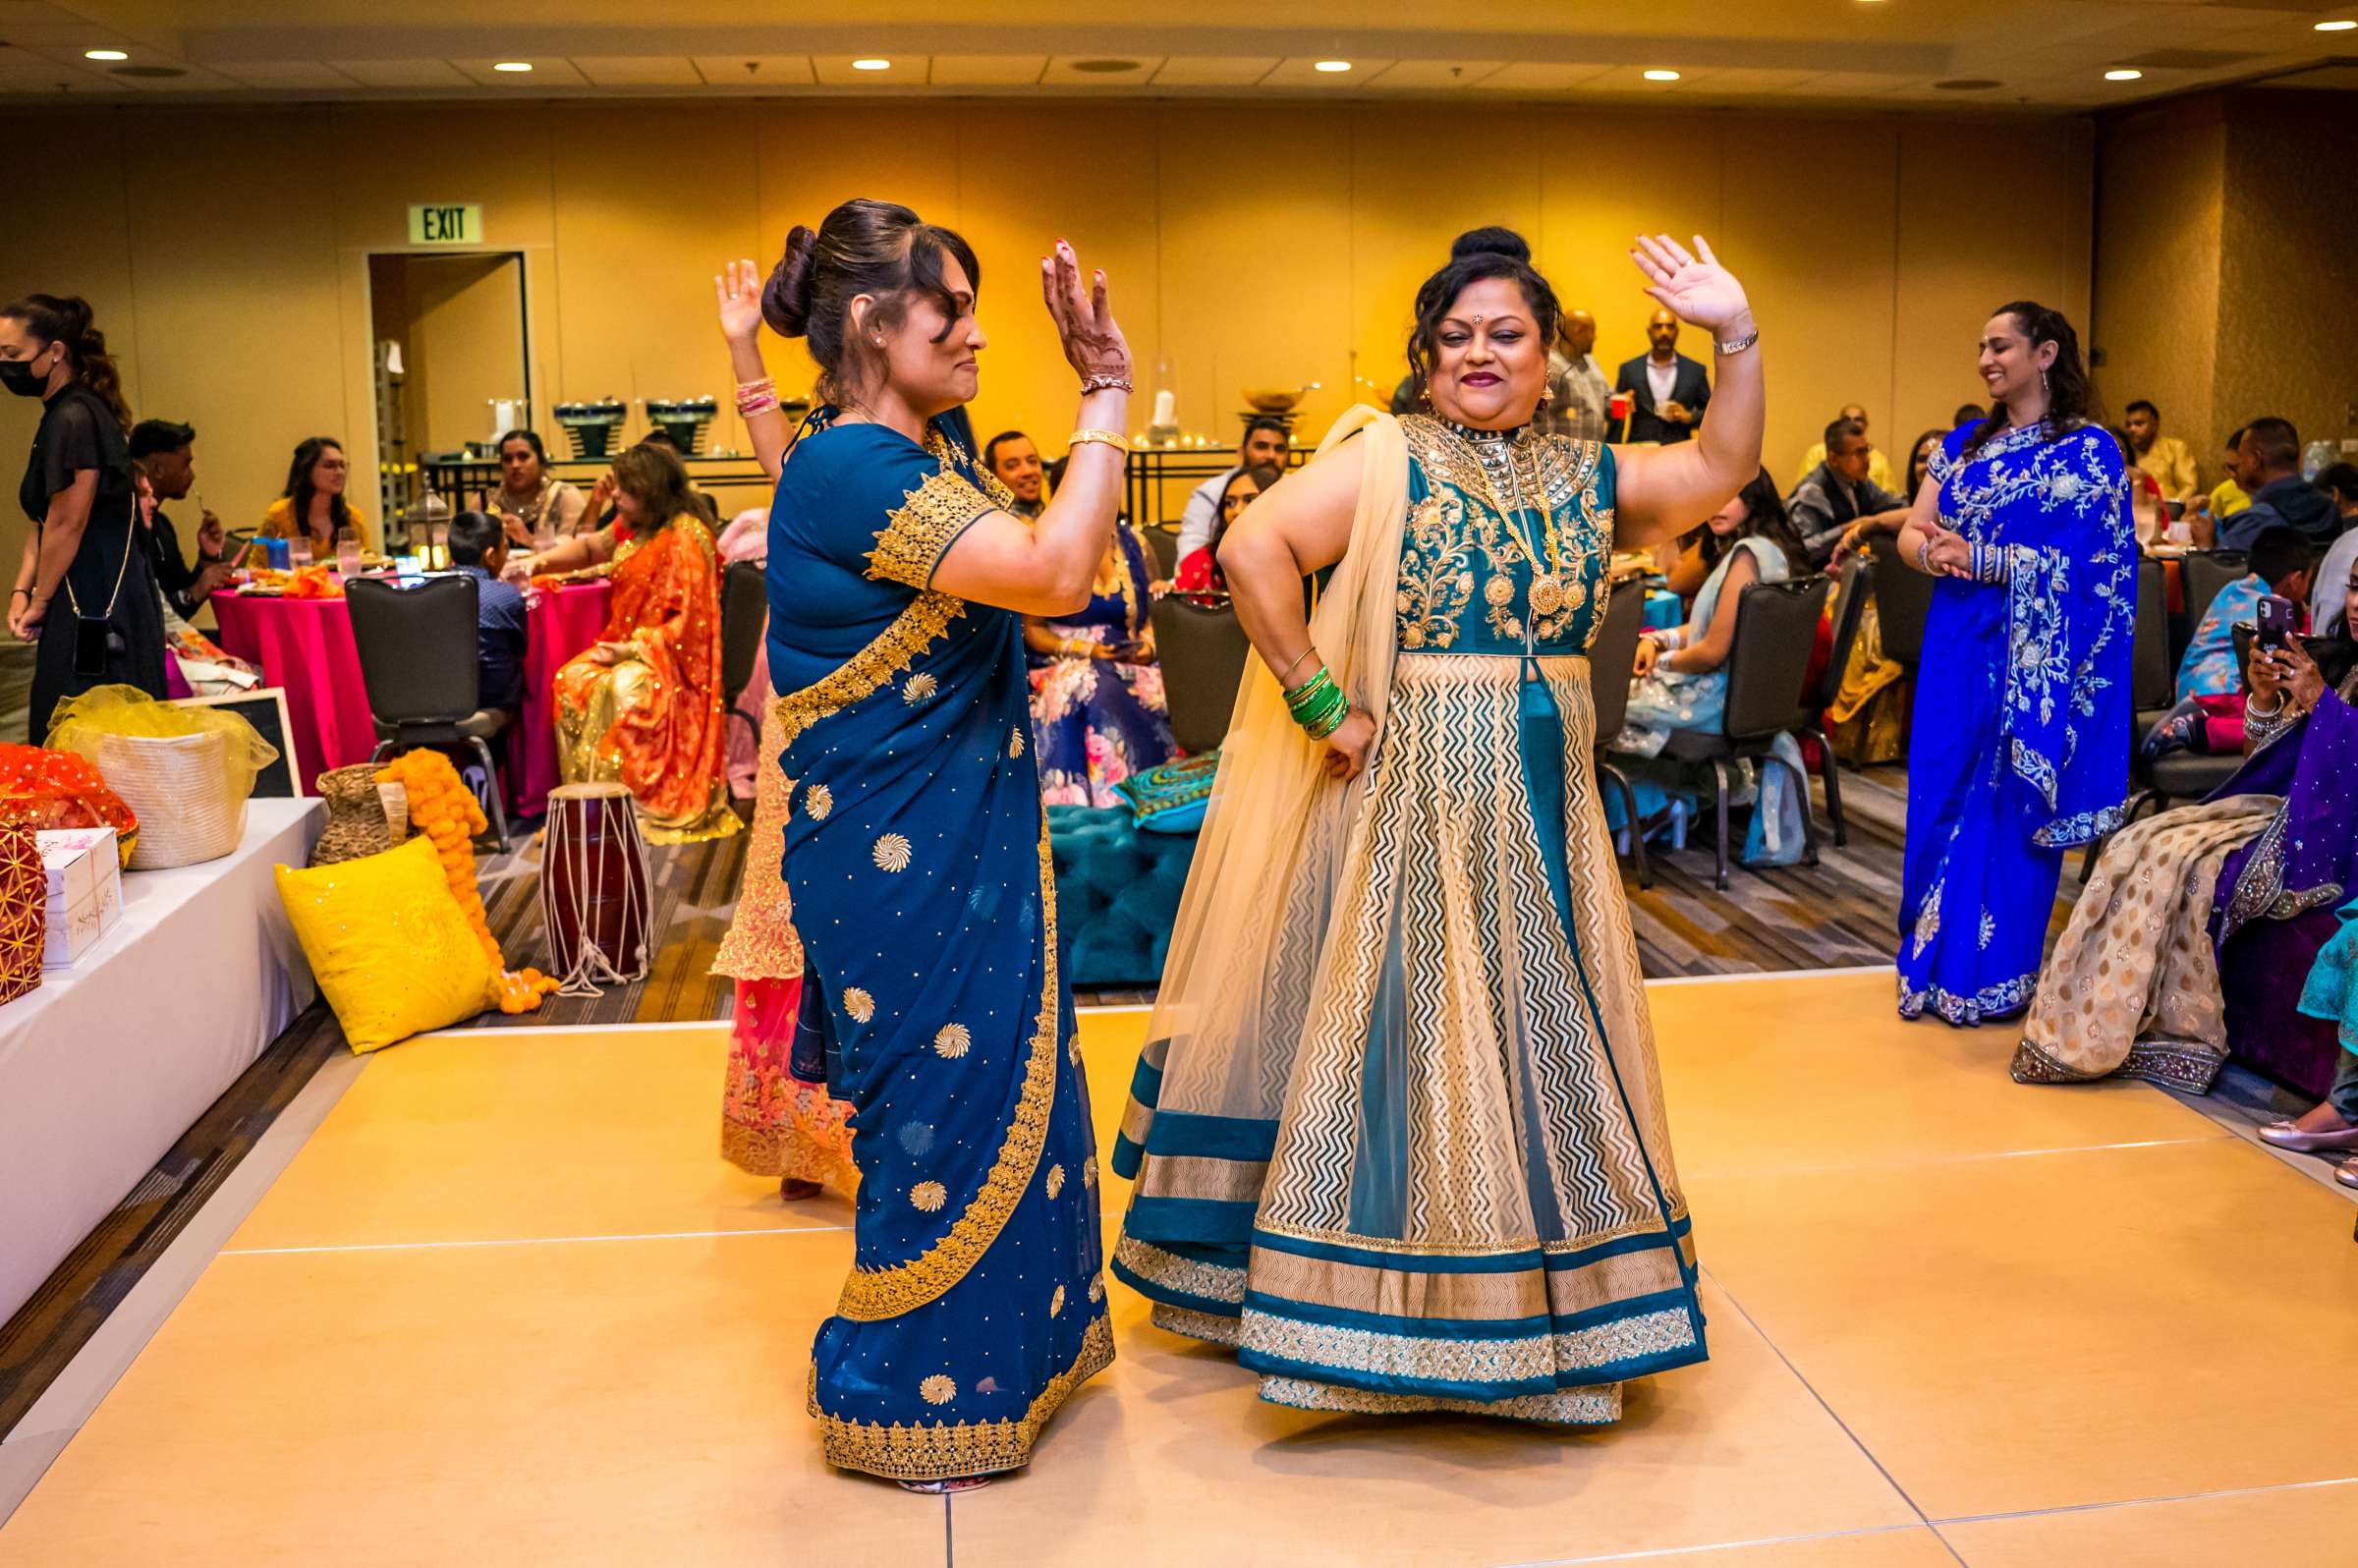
(1105, 383)
(1739, 345)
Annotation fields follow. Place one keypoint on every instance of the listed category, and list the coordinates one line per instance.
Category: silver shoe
(2282, 1133)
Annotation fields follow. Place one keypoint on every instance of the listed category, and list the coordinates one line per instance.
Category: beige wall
(226, 249)
(2226, 284)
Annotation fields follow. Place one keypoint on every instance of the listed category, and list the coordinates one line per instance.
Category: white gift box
(85, 890)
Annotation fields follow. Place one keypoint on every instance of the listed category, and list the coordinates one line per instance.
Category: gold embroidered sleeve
(931, 519)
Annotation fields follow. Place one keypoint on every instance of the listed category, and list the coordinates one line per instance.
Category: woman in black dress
(84, 591)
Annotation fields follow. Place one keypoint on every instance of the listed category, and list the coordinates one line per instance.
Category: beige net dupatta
(1243, 956)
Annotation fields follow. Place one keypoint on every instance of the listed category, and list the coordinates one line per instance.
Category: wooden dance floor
(506, 1305)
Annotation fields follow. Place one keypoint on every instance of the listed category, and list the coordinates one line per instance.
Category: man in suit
(1666, 390)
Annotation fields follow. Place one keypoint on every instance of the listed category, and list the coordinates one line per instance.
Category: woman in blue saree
(2020, 745)
(915, 850)
(1398, 1128)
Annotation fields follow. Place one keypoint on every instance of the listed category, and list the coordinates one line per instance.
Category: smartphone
(89, 644)
(2274, 622)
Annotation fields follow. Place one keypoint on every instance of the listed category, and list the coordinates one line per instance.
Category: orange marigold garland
(445, 811)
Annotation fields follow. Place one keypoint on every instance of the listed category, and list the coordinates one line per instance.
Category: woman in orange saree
(641, 706)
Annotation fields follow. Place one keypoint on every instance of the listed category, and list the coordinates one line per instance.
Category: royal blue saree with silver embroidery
(2020, 747)
(1398, 1127)
(917, 857)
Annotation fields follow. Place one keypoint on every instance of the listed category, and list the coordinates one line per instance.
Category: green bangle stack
(1318, 705)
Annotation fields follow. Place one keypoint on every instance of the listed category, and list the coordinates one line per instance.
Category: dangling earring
(1424, 393)
(1547, 394)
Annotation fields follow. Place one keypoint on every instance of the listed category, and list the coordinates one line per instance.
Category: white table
(110, 1061)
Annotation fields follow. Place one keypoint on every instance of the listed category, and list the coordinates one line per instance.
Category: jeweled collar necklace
(1482, 438)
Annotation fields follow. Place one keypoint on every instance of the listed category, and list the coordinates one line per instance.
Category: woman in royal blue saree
(2020, 747)
(917, 853)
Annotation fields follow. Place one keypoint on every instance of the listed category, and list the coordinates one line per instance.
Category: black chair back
(1850, 608)
(1776, 632)
(1164, 546)
(2205, 573)
(1614, 657)
(418, 647)
(1903, 599)
(744, 617)
(1202, 653)
(2152, 684)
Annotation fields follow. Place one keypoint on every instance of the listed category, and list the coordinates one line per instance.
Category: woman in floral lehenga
(643, 704)
(1097, 715)
(1401, 1127)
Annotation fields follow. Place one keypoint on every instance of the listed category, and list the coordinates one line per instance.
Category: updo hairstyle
(1474, 256)
(878, 249)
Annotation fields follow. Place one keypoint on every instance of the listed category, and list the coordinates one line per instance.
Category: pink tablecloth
(306, 645)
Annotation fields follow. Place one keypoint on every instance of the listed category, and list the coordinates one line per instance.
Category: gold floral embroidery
(928, 1197)
(958, 1448)
(1097, 1287)
(1088, 1171)
(858, 1004)
(918, 688)
(894, 650)
(931, 517)
(819, 801)
(1464, 522)
(1055, 1180)
(874, 1294)
(939, 1390)
(1056, 1302)
(891, 853)
(953, 1042)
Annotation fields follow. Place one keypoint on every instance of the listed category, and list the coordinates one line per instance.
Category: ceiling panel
(756, 70)
(1433, 76)
(1543, 75)
(638, 71)
(290, 76)
(1214, 71)
(1303, 72)
(904, 70)
(986, 69)
(417, 75)
(545, 75)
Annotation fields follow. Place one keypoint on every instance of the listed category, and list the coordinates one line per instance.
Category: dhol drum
(594, 892)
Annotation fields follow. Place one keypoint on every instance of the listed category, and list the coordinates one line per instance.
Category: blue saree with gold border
(917, 857)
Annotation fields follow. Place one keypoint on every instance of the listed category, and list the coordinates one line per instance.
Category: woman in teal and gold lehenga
(1398, 1131)
(915, 850)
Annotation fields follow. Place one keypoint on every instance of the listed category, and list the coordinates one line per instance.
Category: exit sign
(446, 223)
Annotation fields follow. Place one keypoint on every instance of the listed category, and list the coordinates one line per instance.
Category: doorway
(451, 362)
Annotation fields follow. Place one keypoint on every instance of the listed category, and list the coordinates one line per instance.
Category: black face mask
(19, 377)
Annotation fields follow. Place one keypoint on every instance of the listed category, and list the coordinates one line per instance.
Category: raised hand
(1094, 344)
(737, 296)
(1694, 288)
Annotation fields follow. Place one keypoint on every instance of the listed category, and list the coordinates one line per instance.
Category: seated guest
(1667, 391)
(2134, 986)
(1266, 443)
(532, 501)
(1200, 575)
(478, 547)
(313, 506)
(2340, 481)
(1680, 680)
(1837, 494)
(1097, 715)
(2281, 562)
(205, 668)
(642, 706)
(165, 452)
(1919, 462)
(2166, 457)
(2271, 453)
(2226, 498)
(1012, 459)
(1879, 468)
(1867, 720)
(2330, 994)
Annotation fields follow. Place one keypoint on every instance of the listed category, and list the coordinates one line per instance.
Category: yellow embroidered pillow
(389, 945)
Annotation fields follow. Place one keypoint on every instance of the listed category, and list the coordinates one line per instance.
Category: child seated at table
(480, 549)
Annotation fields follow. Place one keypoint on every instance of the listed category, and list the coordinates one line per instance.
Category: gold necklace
(1547, 593)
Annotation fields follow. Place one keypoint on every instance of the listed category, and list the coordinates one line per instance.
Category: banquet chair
(417, 650)
(1850, 609)
(1164, 546)
(1613, 661)
(2204, 574)
(1203, 653)
(1903, 599)
(1776, 632)
(744, 622)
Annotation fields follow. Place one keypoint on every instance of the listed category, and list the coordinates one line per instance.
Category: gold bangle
(1111, 438)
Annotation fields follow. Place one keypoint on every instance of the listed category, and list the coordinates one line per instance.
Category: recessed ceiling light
(104, 54)
(2336, 27)
(872, 65)
(1662, 76)
(2123, 74)
(512, 65)
(1330, 66)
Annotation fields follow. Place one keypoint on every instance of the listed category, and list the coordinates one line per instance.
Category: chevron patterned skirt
(1467, 1202)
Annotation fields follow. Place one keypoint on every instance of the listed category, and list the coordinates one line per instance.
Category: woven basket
(179, 787)
(355, 815)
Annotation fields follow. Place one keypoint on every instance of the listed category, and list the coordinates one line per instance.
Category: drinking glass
(299, 552)
(348, 553)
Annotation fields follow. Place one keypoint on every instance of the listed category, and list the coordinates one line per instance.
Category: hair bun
(1493, 240)
(786, 297)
